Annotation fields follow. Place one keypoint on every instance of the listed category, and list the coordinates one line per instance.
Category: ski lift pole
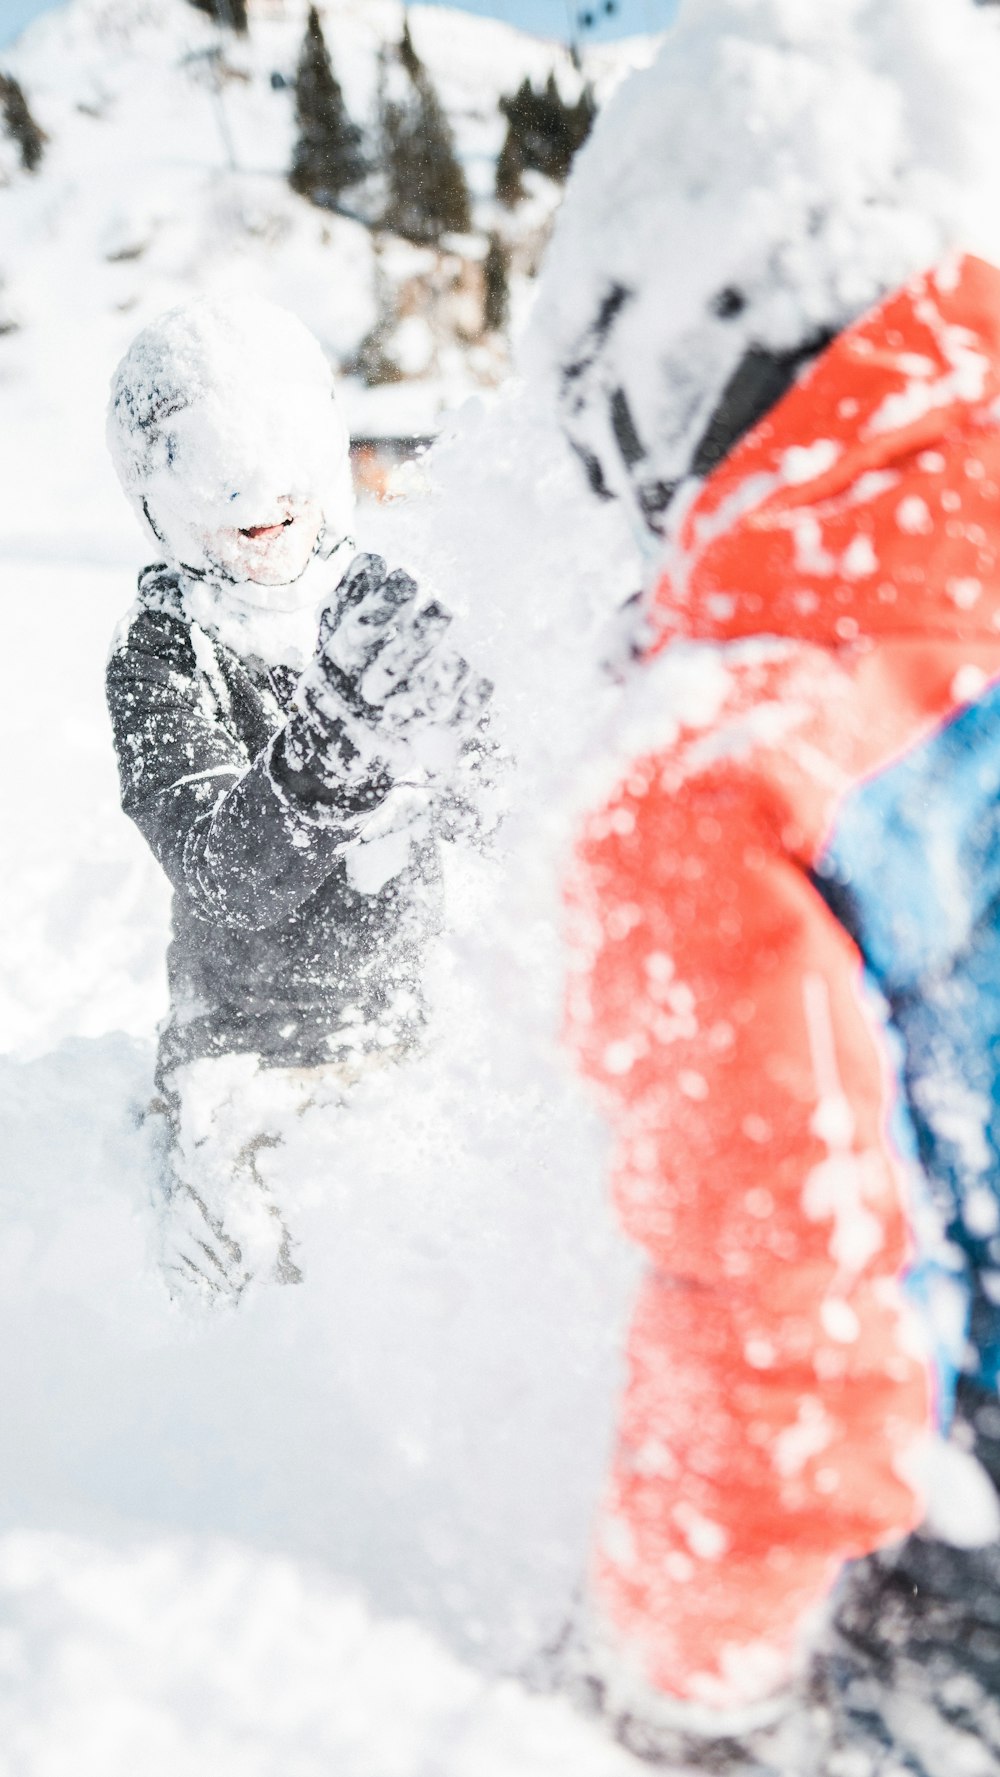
(572, 28)
(224, 130)
(213, 57)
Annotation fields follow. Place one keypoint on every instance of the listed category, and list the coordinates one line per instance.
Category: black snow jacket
(272, 951)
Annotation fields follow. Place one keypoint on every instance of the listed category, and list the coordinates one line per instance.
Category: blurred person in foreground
(772, 313)
(293, 737)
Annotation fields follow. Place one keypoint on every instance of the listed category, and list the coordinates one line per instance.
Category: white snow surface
(422, 1425)
(204, 1658)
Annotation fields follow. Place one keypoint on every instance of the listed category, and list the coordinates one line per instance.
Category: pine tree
(328, 154)
(408, 55)
(19, 123)
(544, 132)
(226, 12)
(426, 192)
(372, 362)
(510, 166)
(496, 293)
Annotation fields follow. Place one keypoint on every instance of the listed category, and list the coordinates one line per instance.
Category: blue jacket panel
(913, 871)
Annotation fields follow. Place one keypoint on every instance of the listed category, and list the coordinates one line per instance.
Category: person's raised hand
(383, 675)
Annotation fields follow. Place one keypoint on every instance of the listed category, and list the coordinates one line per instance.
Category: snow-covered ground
(213, 1528)
(183, 1658)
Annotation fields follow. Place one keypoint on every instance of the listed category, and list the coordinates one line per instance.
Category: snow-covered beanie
(780, 167)
(218, 408)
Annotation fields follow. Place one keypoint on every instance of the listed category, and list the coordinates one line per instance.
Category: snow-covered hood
(867, 502)
(782, 166)
(217, 411)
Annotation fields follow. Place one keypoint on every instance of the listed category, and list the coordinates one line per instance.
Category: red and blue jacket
(786, 983)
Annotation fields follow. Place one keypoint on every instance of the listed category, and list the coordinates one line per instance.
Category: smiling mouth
(256, 531)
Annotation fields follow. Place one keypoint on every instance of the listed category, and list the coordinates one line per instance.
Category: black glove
(385, 699)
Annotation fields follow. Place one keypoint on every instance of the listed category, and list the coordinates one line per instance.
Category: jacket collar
(919, 371)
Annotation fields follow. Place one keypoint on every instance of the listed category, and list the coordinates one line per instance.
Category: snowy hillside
(163, 175)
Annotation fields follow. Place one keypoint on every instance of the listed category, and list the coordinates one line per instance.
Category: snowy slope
(154, 184)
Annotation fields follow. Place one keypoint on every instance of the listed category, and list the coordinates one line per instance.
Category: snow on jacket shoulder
(273, 950)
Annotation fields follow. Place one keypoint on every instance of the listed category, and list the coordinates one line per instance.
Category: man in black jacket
(290, 776)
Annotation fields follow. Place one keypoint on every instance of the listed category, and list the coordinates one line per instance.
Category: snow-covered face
(228, 438)
(276, 550)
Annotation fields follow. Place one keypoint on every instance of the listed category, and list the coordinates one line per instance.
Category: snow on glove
(395, 699)
(326, 757)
